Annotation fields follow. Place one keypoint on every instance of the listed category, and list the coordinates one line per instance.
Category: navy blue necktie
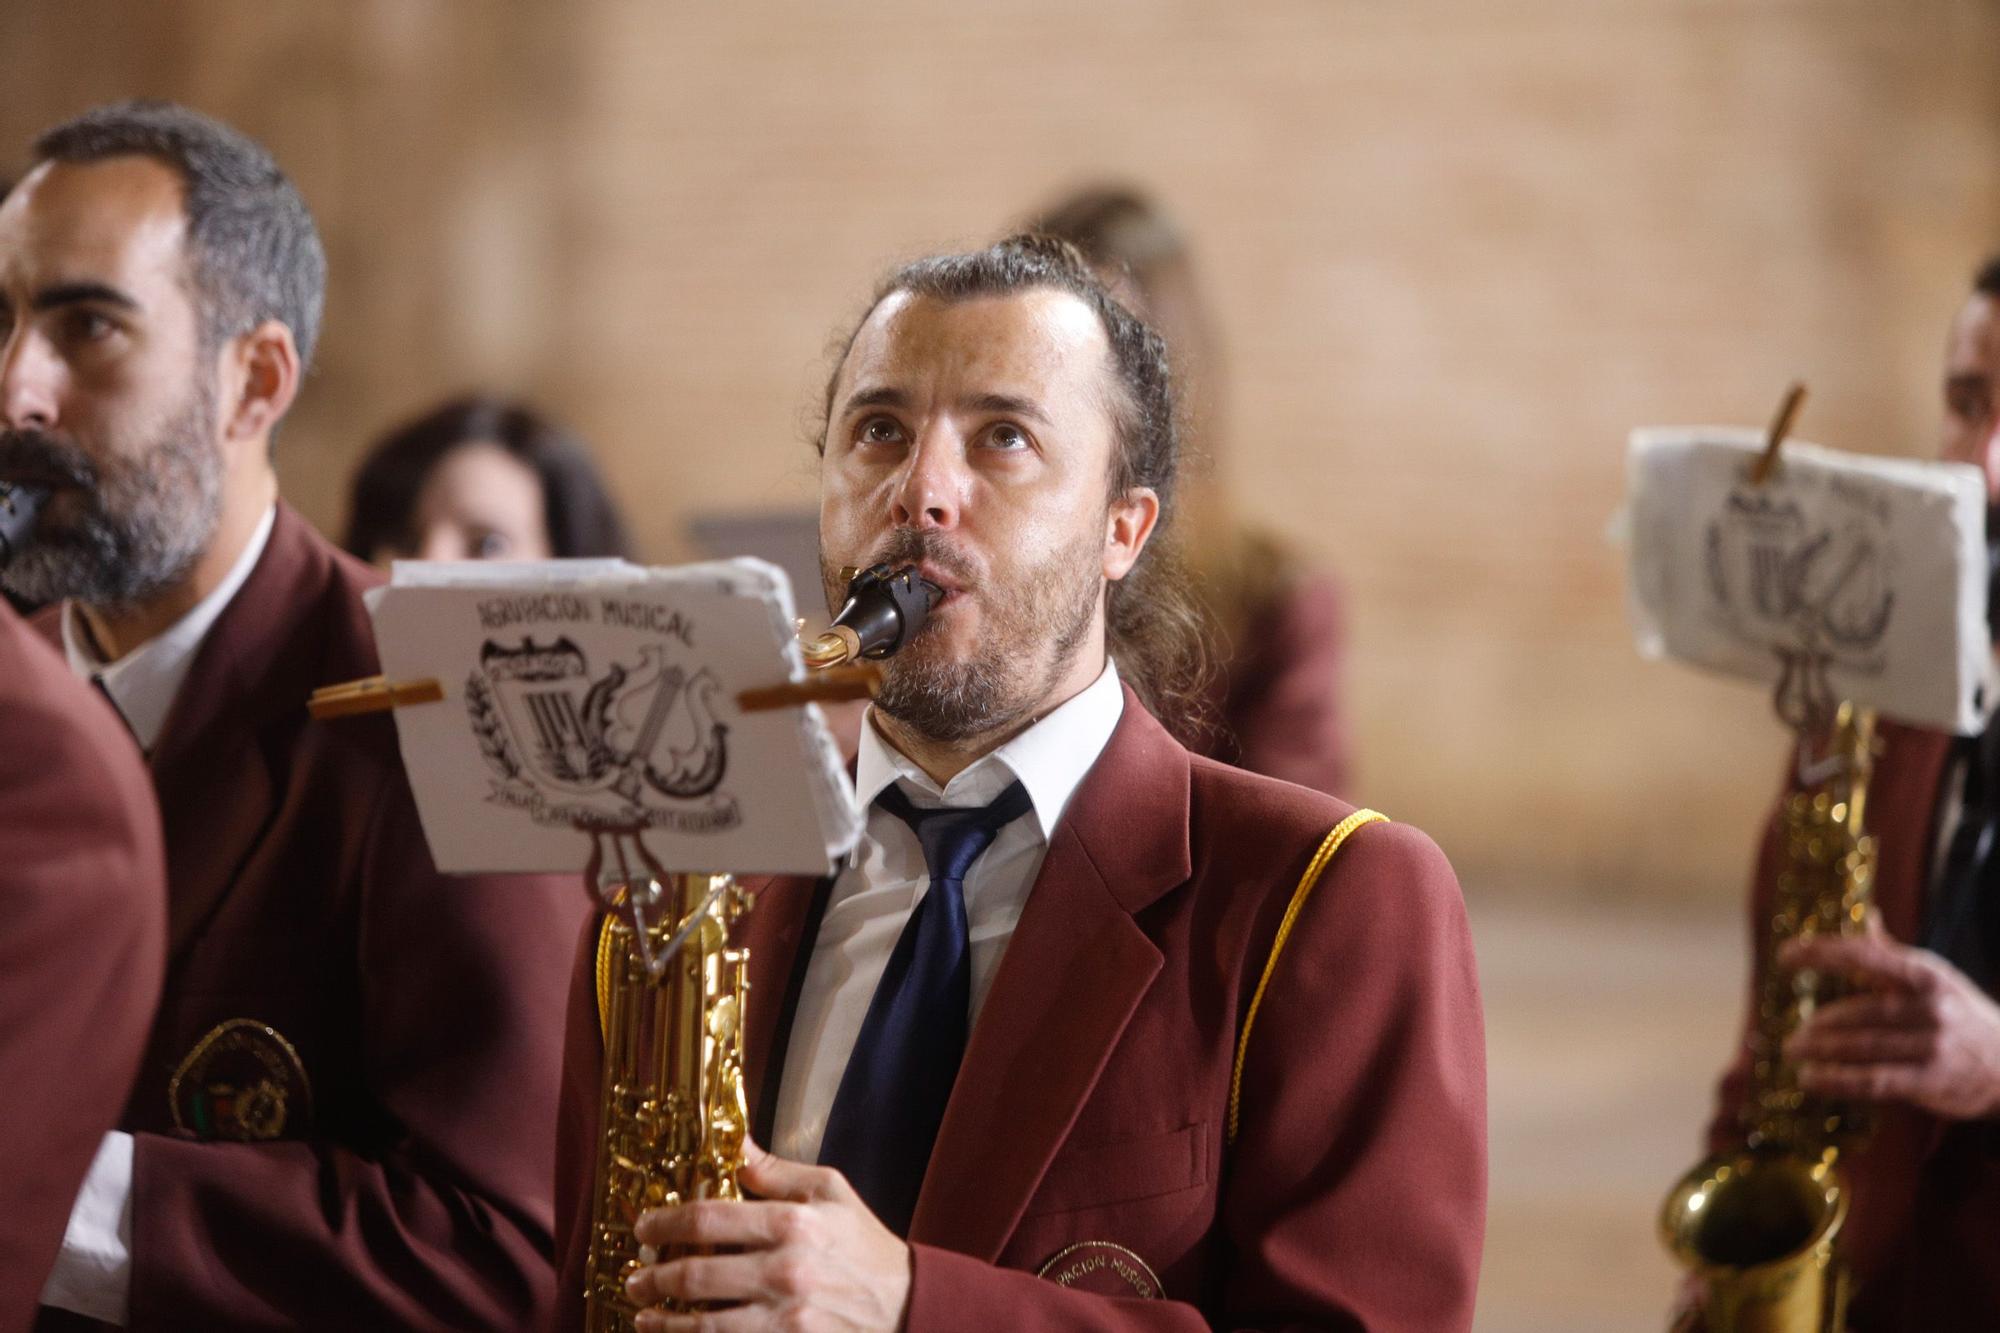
(892, 1096)
(1962, 919)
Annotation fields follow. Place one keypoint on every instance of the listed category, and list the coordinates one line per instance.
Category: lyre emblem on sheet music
(640, 741)
(1775, 578)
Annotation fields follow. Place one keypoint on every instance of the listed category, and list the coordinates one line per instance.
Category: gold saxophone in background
(671, 993)
(1759, 1223)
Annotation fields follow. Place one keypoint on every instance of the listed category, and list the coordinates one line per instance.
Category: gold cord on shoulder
(1314, 870)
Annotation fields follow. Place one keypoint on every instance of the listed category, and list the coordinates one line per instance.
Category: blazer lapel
(1073, 974)
(244, 696)
(781, 907)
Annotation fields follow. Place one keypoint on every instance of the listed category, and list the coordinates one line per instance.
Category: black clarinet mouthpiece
(19, 503)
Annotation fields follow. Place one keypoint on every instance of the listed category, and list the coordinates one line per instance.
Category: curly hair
(1155, 629)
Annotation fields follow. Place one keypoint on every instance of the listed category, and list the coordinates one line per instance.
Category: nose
(30, 380)
(930, 493)
(441, 542)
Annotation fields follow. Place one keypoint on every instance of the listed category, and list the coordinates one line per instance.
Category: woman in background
(1274, 702)
(481, 478)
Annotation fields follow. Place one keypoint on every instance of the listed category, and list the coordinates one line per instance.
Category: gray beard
(145, 522)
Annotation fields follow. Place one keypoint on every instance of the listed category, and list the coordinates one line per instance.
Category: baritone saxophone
(1759, 1224)
(672, 992)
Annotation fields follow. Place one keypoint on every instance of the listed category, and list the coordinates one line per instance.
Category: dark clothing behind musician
(1273, 704)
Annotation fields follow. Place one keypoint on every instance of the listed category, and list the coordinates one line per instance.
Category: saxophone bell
(1759, 1224)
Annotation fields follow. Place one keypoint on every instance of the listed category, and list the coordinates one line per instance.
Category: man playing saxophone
(1089, 1032)
(1920, 1037)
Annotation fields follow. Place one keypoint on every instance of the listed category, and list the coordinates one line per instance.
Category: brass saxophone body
(673, 1109)
(1759, 1224)
(672, 993)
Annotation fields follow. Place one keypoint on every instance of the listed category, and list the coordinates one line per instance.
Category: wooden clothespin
(860, 681)
(371, 694)
(1781, 426)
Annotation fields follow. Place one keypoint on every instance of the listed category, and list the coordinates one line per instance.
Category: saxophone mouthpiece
(19, 503)
(885, 608)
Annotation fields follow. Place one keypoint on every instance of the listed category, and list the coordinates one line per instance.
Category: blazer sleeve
(1355, 1189)
(462, 983)
(84, 901)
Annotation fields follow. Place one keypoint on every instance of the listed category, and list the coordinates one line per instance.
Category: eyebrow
(81, 293)
(1006, 404)
(880, 396)
(1009, 404)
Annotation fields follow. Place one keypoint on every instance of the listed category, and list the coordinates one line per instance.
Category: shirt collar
(1050, 758)
(143, 683)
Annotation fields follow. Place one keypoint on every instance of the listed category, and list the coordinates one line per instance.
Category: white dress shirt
(873, 898)
(93, 1272)
(143, 683)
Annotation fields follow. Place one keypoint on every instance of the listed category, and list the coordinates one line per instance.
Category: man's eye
(88, 326)
(879, 430)
(1005, 436)
(491, 546)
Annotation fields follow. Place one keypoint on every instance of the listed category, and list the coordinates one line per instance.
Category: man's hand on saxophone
(1918, 1031)
(805, 1253)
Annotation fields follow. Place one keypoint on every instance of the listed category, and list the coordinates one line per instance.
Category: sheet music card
(1880, 563)
(600, 690)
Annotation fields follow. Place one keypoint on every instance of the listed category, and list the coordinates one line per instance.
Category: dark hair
(1987, 281)
(253, 249)
(582, 520)
(1120, 229)
(1154, 627)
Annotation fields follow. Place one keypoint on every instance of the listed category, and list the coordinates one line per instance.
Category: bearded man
(343, 1114)
(1089, 1032)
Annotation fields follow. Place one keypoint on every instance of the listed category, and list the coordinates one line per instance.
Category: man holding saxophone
(1089, 1032)
(1920, 1040)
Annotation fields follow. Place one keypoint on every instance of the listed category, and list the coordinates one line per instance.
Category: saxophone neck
(837, 645)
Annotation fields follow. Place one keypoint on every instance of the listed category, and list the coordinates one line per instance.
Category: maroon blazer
(1923, 1227)
(408, 1186)
(1277, 700)
(1092, 1104)
(83, 926)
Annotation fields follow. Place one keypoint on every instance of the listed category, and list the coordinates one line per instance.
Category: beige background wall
(1457, 249)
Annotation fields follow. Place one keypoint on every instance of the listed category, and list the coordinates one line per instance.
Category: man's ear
(1127, 526)
(262, 367)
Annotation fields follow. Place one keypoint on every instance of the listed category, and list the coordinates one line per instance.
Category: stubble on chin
(997, 686)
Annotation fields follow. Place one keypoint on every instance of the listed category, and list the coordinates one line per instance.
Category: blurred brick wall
(1457, 249)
